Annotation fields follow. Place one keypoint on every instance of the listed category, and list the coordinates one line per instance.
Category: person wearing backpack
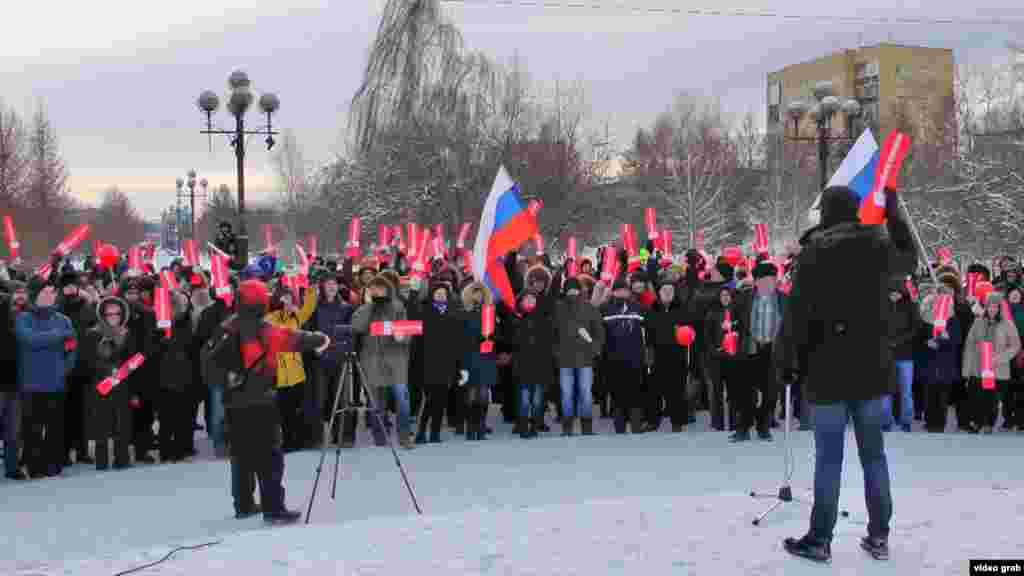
(247, 352)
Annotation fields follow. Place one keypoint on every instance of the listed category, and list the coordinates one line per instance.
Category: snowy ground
(649, 504)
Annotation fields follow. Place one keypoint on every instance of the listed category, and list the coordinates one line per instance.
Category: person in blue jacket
(47, 351)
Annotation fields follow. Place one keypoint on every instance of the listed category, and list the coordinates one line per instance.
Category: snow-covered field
(650, 504)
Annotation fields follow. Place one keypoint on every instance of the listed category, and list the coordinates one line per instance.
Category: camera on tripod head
(343, 342)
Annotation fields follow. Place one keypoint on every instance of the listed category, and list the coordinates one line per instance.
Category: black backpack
(221, 359)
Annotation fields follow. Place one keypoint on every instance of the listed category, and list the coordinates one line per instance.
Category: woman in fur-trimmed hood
(107, 345)
(479, 369)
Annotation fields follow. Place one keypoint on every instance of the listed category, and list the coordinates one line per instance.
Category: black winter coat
(714, 330)
(836, 326)
(437, 352)
(904, 325)
(532, 343)
(669, 356)
(176, 365)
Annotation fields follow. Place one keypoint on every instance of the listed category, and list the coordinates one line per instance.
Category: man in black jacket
(835, 332)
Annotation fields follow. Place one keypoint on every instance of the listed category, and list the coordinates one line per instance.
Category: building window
(773, 114)
(903, 72)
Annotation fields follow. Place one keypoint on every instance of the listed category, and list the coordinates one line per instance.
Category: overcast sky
(120, 77)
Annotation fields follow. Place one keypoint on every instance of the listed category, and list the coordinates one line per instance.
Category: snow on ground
(649, 504)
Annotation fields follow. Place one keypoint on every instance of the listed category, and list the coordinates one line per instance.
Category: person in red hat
(247, 353)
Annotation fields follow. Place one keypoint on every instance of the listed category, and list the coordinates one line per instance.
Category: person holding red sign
(105, 347)
(479, 368)
(940, 359)
(991, 327)
(385, 359)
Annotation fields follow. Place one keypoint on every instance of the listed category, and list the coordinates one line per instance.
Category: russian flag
(868, 171)
(858, 170)
(504, 226)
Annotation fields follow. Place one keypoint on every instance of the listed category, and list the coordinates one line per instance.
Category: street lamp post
(239, 101)
(822, 111)
(186, 191)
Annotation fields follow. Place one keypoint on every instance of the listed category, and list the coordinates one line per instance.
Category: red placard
(162, 304)
(651, 220)
(135, 258)
(72, 240)
(572, 247)
(666, 242)
(534, 207)
(396, 328)
(396, 236)
(352, 249)
(894, 150)
(191, 254)
(988, 373)
(761, 238)
(608, 266)
(383, 236)
(698, 240)
(463, 235)
(940, 313)
(729, 337)
(413, 238)
(12, 239)
(487, 328)
(538, 242)
(629, 239)
(168, 281)
(109, 383)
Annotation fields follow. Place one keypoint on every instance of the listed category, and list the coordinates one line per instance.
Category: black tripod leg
(343, 384)
(391, 441)
(324, 448)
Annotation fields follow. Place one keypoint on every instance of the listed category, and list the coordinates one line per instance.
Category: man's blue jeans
(829, 438)
(531, 401)
(9, 408)
(905, 380)
(577, 384)
(401, 395)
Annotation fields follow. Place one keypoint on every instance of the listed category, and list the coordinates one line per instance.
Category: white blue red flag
(505, 225)
(868, 171)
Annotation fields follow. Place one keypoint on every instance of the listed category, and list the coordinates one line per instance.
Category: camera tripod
(345, 383)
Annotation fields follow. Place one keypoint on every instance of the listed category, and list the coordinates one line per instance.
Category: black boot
(587, 426)
(636, 421)
(810, 549)
(740, 436)
(567, 426)
(538, 426)
(524, 428)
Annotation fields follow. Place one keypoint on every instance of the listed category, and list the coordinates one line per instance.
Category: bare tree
(117, 221)
(13, 157)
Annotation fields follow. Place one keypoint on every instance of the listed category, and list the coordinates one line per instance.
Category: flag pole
(917, 238)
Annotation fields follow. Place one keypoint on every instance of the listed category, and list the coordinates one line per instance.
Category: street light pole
(822, 112)
(239, 101)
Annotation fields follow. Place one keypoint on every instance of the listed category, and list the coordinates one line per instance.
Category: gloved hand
(933, 344)
(463, 377)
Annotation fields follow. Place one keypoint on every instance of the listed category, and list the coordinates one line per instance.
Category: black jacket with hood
(836, 324)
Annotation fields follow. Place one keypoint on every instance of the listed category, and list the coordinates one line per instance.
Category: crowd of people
(571, 348)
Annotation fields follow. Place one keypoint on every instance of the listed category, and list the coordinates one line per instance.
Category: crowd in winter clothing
(571, 345)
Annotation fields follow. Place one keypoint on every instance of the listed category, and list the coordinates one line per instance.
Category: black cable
(735, 13)
(168, 556)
